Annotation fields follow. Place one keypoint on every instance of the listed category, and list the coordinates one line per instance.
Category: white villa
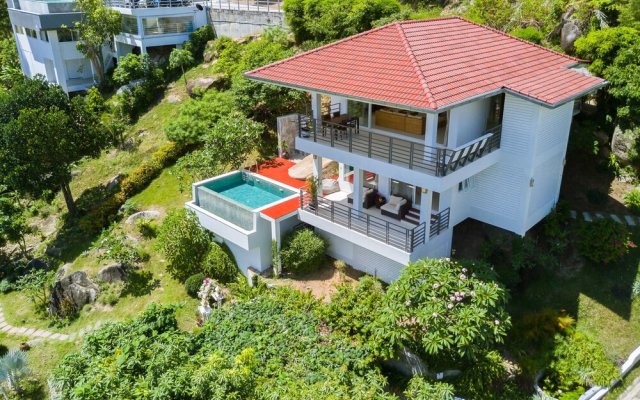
(432, 122)
(46, 40)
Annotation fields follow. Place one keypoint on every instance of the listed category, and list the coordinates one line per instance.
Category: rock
(112, 273)
(54, 252)
(62, 271)
(568, 35)
(173, 99)
(75, 172)
(204, 83)
(37, 264)
(209, 52)
(622, 144)
(150, 214)
(130, 86)
(114, 182)
(72, 291)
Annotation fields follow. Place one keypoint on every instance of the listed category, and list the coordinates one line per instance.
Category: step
(412, 215)
(412, 221)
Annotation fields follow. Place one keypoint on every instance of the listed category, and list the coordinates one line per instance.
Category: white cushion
(367, 191)
(345, 186)
(394, 200)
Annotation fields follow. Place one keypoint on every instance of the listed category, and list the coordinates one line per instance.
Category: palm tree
(13, 367)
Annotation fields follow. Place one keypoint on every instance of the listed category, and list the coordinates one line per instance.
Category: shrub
(147, 227)
(578, 363)
(183, 242)
(604, 241)
(3, 350)
(529, 34)
(484, 378)
(632, 200)
(110, 293)
(193, 284)
(198, 40)
(302, 250)
(116, 246)
(421, 389)
(219, 263)
(5, 286)
(353, 309)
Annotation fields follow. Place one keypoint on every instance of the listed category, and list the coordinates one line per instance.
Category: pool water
(248, 190)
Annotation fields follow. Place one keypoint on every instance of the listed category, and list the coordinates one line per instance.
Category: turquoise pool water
(248, 190)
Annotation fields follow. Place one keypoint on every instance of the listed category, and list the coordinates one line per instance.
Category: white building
(445, 120)
(47, 43)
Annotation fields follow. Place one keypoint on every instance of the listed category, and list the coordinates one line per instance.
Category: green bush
(183, 242)
(578, 363)
(5, 286)
(632, 200)
(604, 240)
(110, 293)
(219, 263)
(421, 389)
(198, 40)
(302, 250)
(193, 283)
(3, 350)
(529, 34)
(147, 228)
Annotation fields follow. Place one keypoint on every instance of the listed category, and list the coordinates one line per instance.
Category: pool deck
(278, 170)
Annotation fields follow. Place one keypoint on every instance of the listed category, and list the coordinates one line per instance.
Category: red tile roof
(278, 170)
(431, 64)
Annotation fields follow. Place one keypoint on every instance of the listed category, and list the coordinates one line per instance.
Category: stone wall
(239, 23)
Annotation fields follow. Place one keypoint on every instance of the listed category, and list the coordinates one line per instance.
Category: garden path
(36, 335)
(632, 392)
(588, 217)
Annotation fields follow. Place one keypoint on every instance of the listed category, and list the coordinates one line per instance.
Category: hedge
(102, 215)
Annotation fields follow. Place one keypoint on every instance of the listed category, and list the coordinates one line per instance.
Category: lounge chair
(346, 190)
(368, 197)
(396, 207)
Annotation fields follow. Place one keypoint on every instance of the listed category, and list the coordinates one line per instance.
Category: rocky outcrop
(71, 293)
(568, 35)
(142, 214)
(623, 144)
(112, 273)
(114, 183)
(204, 83)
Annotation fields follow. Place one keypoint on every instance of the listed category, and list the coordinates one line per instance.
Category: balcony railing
(148, 3)
(369, 225)
(439, 222)
(437, 161)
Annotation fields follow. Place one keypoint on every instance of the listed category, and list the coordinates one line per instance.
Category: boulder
(112, 273)
(130, 86)
(54, 252)
(568, 35)
(304, 169)
(623, 144)
(150, 214)
(74, 291)
(37, 263)
(62, 271)
(205, 82)
(114, 182)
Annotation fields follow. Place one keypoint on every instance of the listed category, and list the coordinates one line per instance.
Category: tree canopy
(42, 134)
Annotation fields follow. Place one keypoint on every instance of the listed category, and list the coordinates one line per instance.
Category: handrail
(374, 227)
(148, 3)
(439, 222)
(435, 161)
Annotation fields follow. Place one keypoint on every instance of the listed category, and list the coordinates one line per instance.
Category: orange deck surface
(278, 170)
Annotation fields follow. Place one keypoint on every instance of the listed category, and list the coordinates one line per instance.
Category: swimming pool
(248, 190)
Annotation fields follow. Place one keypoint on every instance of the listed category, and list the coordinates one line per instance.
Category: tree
(198, 117)
(601, 47)
(421, 389)
(183, 242)
(13, 221)
(14, 367)
(624, 78)
(441, 307)
(42, 134)
(180, 58)
(233, 138)
(10, 69)
(98, 24)
(494, 13)
(130, 67)
(36, 285)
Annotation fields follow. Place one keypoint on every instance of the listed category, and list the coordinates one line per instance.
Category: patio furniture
(368, 197)
(396, 207)
(346, 190)
(329, 186)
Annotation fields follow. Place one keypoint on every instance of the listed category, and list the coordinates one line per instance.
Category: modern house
(46, 40)
(433, 121)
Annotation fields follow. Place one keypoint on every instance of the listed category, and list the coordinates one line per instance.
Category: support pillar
(431, 130)
(358, 180)
(341, 171)
(316, 105)
(317, 167)
(275, 237)
(425, 206)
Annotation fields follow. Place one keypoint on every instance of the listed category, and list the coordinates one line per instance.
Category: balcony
(434, 161)
(148, 3)
(373, 225)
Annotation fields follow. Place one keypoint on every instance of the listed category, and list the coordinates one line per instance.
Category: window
(19, 29)
(68, 35)
(129, 24)
(31, 33)
(44, 36)
(467, 184)
(167, 25)
(496, 109)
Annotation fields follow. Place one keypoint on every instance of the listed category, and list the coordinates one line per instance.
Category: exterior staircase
(413, 216)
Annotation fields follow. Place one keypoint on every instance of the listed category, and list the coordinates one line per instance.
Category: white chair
(346, 189)
(394, 207)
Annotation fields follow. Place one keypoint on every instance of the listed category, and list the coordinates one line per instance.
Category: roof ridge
(414, 63)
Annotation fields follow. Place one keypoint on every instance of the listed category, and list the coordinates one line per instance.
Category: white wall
(468, 122)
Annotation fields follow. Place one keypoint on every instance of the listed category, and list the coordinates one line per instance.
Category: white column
(275, 236)
(317, 168)
(431, 130)
(316, 105)
(425, 206)
(358, 180)
(384, 186)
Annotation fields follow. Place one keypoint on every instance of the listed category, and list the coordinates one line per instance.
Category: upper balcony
(347, 135)
(148, 3)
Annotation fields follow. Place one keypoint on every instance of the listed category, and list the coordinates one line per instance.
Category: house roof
(432, 64)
